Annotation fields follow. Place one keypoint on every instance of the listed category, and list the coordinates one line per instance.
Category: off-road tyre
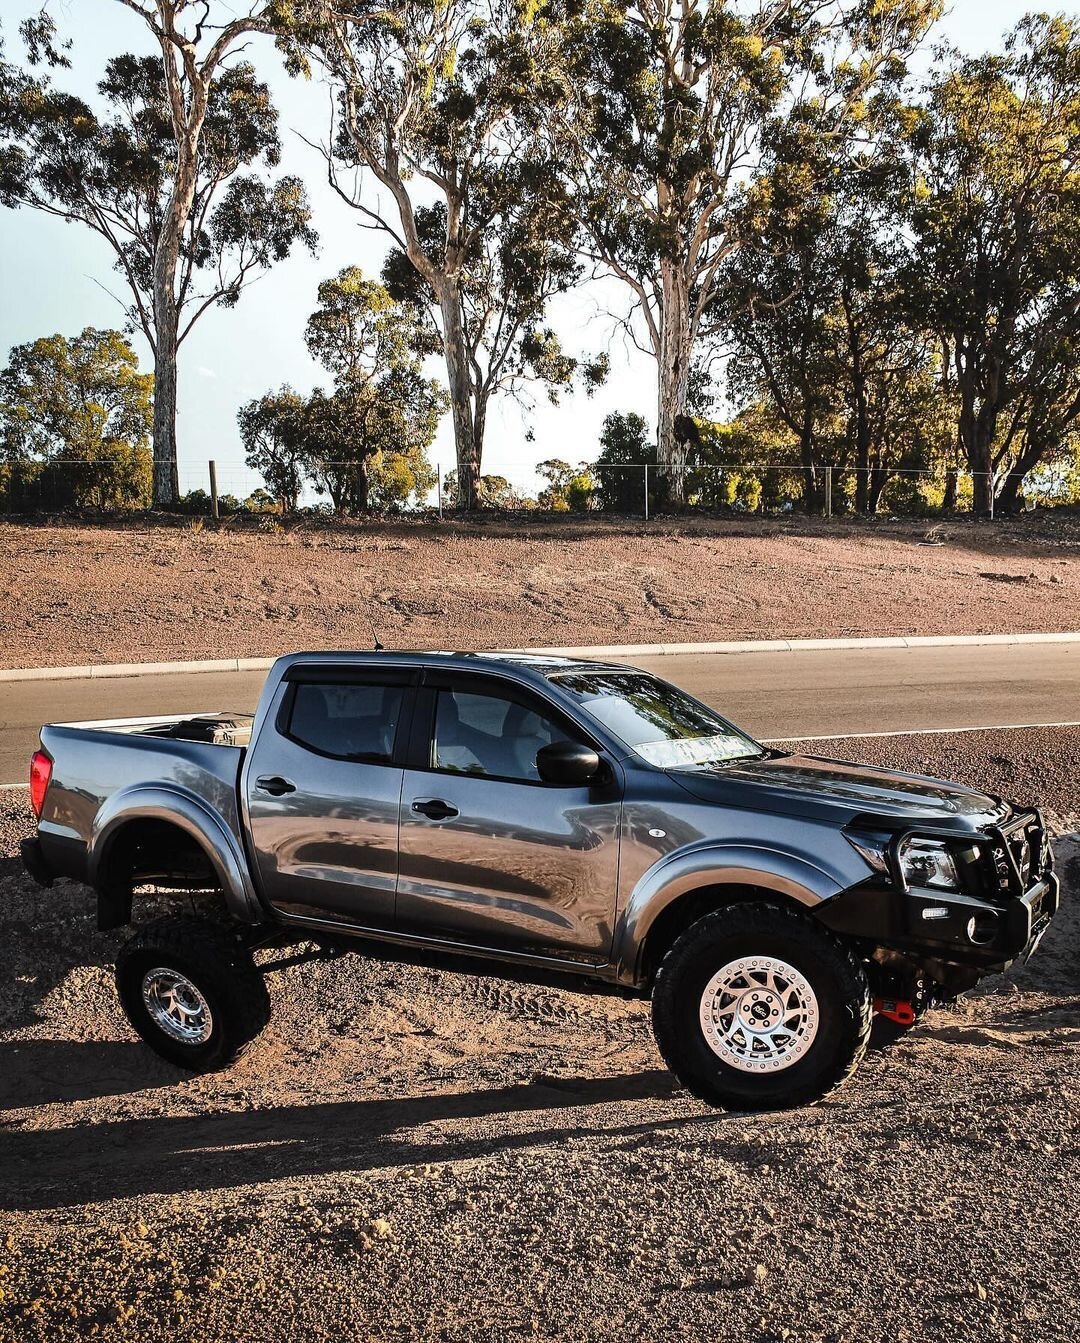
(222, 971)
(835, 976)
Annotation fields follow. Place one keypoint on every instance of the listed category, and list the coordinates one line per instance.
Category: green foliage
(491, 492)
(625, 447)
(272, 431)
(365, 443)
(569, 490)
(75, 422)
(995, 267)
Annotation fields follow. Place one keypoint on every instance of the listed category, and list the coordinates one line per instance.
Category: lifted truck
(542, 815)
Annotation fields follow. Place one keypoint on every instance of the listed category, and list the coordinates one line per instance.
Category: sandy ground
(412, 1153)
(76, 594)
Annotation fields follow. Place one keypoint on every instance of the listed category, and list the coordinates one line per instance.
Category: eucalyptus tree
(156, 173)
(676, 97)
(814, 310)
(995, 268)
(382, 404)
(75, 419)
(437, 140)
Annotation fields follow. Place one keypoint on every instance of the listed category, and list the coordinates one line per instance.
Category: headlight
(927, 862)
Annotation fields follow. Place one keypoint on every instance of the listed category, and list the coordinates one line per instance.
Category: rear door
(490, 855)
(323, 787)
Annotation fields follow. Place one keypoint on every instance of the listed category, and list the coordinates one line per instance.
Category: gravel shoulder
(74, 593)
(411, 1153)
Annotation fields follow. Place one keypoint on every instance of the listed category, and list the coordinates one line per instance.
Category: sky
(54, 277)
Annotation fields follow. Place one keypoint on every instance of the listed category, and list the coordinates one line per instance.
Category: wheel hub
(759, 1014)
(177, 1006)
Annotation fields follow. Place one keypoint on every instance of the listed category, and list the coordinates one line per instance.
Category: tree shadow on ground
(134, 1157)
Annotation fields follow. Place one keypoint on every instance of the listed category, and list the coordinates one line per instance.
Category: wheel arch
(672, 896)
(120, 821)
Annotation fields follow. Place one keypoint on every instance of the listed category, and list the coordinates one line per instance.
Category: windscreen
(659, 722)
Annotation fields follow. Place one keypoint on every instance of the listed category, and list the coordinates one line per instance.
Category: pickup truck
(546, 817)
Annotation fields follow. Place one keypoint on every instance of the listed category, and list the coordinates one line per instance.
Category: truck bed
(216, 727)
(195, 755)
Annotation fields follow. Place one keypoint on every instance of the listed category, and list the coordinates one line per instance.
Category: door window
(490, 736)
(348, 722)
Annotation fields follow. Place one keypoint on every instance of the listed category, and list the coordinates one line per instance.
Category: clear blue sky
(51, 275)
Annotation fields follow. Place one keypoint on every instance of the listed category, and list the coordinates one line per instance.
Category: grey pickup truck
(543, 816)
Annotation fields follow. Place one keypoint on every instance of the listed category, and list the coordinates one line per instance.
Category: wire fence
(628, 489)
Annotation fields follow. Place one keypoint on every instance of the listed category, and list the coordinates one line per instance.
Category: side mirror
(567, 763)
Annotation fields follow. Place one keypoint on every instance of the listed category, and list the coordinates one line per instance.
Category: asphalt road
(773, 695)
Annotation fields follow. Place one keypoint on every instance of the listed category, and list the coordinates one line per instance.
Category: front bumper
(945, 925)
(985, 929)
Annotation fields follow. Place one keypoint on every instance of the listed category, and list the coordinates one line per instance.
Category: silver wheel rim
(177, 1006)
(759, 1014)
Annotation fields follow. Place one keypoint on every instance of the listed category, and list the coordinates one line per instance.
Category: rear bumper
(34, 861)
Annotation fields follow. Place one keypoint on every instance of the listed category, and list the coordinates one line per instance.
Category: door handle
(274, 784)
(434, 808)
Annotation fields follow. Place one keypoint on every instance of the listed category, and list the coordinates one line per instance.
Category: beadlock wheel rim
(759, 1014)
(177, 1006)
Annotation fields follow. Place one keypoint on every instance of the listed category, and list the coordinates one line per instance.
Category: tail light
(40, 774)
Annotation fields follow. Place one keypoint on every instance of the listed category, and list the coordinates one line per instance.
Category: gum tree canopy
(442, 108)
(75, 418)
(674, 98)
(995, 267)
(156, 173)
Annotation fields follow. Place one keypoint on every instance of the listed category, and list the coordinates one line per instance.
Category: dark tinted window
(489, 735)
(663, 724)
(352, 722)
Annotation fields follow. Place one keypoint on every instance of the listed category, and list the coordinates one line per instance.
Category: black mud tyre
(756, 1007)
(192, 992)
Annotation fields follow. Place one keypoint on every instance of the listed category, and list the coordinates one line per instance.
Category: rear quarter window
(347, 722)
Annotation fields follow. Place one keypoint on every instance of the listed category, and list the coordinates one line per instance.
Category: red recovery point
(895, 1009)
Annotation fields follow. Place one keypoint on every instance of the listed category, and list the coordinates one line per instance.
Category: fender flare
(795, 879)
(176, 806)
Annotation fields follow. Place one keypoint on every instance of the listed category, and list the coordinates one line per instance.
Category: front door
(489, 855)
(323, 793)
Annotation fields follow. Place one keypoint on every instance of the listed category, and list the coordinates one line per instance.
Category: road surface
(773, 695)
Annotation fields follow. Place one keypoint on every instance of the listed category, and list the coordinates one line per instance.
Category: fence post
(646, 470)
(828, 491)
(438, 477)
(992, 483)
(213, 490)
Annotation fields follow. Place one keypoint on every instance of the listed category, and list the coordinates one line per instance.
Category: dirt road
(419, 1154)
(77, 594)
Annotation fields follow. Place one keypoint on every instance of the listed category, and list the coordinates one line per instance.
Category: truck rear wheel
(758, 1008)
(192, 992)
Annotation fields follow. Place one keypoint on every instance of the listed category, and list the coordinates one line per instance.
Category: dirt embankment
(75, 594)
(417, 1154)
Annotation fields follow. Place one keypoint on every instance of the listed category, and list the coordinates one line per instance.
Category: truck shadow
(43, 1072)
(130, 1158)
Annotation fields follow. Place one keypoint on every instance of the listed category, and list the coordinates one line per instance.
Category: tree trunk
(1009, 500)
(948, 501)
(878, 478)
(811, 484)
(467, 445)
(166, 472)
(862, 450)
(674, 379)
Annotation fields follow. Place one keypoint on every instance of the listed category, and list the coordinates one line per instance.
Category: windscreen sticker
(692, 750)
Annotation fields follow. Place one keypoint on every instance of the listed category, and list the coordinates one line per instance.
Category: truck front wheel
(192, 992)
(756, 1007)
